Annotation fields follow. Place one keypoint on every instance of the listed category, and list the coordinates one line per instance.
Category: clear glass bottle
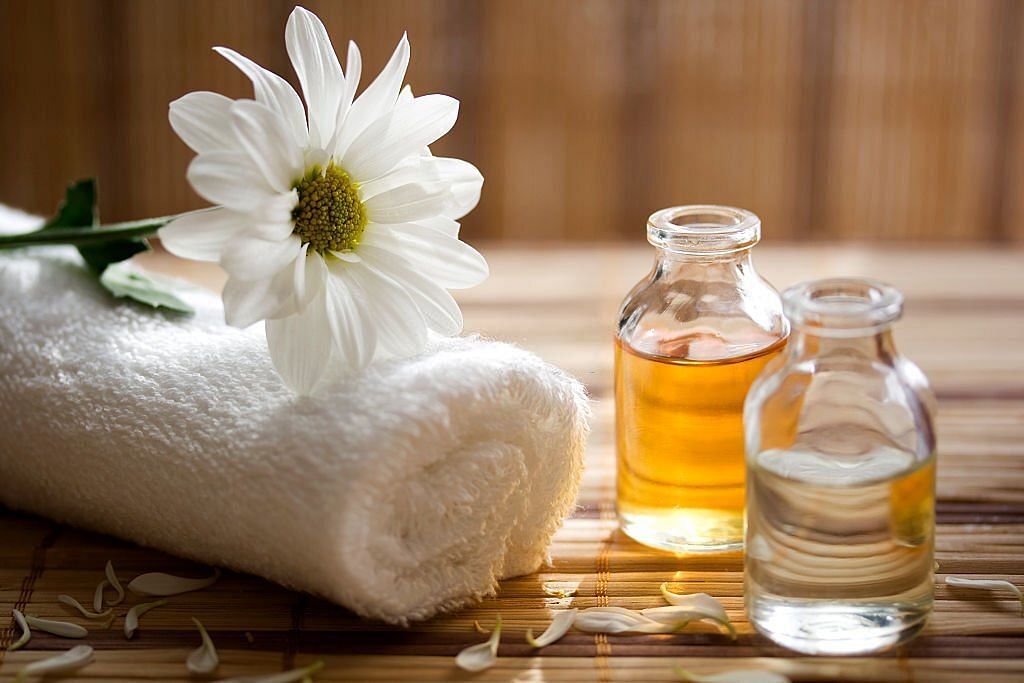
(840, 478)
(692, 337)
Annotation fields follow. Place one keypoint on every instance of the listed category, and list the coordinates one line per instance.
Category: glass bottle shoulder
(702, 311)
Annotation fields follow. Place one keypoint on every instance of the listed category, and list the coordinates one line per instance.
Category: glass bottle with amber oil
(692, 337)
(841, 478)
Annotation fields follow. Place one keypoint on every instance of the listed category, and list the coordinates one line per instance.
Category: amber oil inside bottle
(681, 469)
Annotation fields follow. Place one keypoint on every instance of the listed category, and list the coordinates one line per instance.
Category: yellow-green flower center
(329, 215)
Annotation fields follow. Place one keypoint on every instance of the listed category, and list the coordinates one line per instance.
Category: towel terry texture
(406, 491)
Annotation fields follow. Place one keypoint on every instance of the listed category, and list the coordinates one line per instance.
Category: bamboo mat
(964, 325)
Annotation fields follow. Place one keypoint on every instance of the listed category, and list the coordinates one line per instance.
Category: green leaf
(125, 281)
(99, 256)
(78, 208)
(109, 259)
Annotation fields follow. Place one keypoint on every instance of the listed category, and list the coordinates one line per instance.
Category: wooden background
(833, 119)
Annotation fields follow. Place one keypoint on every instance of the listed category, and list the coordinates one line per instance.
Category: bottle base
(685, 530)
(837, 628)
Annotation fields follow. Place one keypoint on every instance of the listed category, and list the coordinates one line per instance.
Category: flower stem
(90, 234)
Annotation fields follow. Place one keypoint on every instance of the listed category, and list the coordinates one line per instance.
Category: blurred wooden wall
(832, 119)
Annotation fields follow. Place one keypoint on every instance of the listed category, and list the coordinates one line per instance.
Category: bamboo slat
(964, 324)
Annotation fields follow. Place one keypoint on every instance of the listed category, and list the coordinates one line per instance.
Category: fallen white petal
(283, 677)
(618, 620)
(158, 583)
(735, 676)
(561, 622)
(64, 629)
(65, 662)
(987, 584)
(97, 597)
(560, 589)
(71, 602)
(131, 621)
(483, 655)
(115, 583)
(26, 632)
(690, 606)
(203, 659)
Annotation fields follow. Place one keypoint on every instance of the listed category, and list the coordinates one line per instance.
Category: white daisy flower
(334, 224)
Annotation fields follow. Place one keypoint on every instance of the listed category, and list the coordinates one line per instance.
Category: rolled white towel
(405, 491)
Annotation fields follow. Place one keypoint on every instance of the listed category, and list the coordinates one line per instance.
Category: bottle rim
(703, 229)
(843, 307)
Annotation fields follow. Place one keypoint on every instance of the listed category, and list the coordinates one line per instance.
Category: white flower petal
(300, 346)
(309, 276)
(352, 329)
(439, 309)
(410, 170)
(61, 663)
(252, 258)
(378, 99)
(201, 121)
(275, 232)
(441, 224)
(401, 328)
(481, 656)
(131, 620)
(698, 603)
(617, 620)
(229, 179)
(349, 256)
(989, 585)
(451, 263)
(399, 134)
(408, 203)
(316, 65)
(274, 215)
(164, 585)
(466, 181)
(204, 659)
(405, 94)
(273, 91)
(200, 236)
(267, 141)
(248, 301)
(561, 622)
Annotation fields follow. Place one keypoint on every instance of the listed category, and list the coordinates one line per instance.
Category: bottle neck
(728, 266)
(876, 346)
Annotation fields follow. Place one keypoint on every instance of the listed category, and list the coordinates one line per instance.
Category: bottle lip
(703, 229)
(843, 307)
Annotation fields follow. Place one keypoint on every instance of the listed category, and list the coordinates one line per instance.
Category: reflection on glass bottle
(841, 478)
(692, 338)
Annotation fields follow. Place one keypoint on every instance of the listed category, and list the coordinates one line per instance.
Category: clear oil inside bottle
(840, 479)
(840, 556)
